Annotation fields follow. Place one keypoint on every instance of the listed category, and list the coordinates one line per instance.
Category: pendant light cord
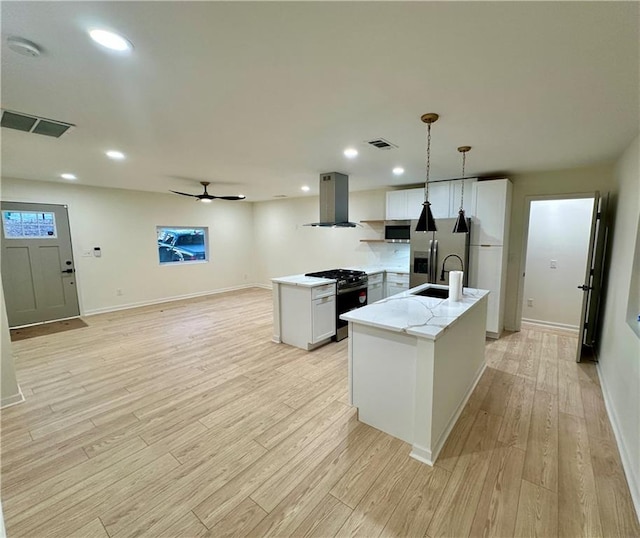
(426, 183)
(464, 156)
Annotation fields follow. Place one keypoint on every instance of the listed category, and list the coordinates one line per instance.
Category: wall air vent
(381, 143)
(34, 124)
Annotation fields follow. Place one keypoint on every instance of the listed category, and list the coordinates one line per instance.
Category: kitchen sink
(433, 292)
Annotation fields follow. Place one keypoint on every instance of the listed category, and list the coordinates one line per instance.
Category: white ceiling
(261, 97)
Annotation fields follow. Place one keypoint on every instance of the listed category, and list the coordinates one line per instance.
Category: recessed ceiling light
(350, 153)
(68, 176)
(117, 155)
(110, 40)
(398, 171)
(305, 188)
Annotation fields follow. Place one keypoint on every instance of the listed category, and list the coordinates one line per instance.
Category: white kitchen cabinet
(469, 197)
(307, 314)
(491, 213)
(415, 199)
(323, 318)
(375, 288)
(444, 196)
(396, 283)
(487, 271)
(404, 204)
(440, 198)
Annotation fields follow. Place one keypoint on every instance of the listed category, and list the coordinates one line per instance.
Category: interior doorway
(561, 272)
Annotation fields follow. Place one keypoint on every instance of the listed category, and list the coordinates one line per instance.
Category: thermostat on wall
(97, 252)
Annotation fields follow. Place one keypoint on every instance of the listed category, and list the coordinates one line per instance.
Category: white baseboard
(551, 324)
(634, 487)
(427, 456)
(263, 286)
(15, 399)
(127, 306)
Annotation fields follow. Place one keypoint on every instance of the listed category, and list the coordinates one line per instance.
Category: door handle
(69, 271)
(585, 288)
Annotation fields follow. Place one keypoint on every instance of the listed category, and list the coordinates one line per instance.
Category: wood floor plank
(355, 483)
(577, 499)
(537, 512)
(517, 416)
(239, 521)
(118, 406)
(415, 510)
(541, 458)
(372, 513)
(325, 520)
(455, 513)
(614, 504)
(498, 506)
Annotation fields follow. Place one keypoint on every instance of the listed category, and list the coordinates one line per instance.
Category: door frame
(74, 256)
(525, 239)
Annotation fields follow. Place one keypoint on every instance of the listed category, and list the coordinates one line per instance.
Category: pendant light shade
(461, 226)
(426, 222)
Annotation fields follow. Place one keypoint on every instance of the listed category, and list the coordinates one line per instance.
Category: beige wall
(571, 181)
(284, 246)
(619, 355)
(123, 223)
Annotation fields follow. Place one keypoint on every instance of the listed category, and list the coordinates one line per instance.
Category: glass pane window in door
(29, 225)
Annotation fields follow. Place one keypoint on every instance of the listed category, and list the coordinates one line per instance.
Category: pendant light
(460, 227)
(426, 223)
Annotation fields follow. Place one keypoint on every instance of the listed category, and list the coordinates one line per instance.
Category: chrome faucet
(445, 261)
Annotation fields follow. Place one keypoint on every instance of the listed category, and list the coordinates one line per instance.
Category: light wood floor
(184, 419)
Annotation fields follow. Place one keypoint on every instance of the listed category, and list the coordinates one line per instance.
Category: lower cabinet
(396, 283)
(375, 288)
(323, 318)
(307, 315)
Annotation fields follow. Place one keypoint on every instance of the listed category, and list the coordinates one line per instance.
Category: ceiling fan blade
(185, 194)
(230, 197)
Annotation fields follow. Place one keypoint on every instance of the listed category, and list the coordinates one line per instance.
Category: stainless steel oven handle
(347, 290)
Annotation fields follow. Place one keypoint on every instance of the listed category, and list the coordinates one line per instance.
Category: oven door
(347, 300)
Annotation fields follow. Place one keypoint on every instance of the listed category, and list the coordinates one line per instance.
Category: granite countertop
(302, 280)
(424, 317)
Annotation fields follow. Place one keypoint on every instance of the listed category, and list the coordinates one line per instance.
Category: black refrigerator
(434, 254)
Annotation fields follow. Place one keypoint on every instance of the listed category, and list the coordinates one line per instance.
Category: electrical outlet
(529, 302)
(118, 291)
(553, 264)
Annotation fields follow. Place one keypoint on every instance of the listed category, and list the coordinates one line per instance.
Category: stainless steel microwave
(398, 231)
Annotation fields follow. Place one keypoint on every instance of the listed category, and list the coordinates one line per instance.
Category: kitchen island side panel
(383, 367)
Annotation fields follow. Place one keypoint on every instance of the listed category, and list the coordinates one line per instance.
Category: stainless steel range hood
(334, 201)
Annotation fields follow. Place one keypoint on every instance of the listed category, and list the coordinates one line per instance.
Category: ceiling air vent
(34, 124)
(381, 143)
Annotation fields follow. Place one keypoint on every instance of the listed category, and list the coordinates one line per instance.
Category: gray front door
(38, 273)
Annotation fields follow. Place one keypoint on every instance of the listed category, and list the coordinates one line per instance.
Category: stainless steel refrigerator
(435, 254)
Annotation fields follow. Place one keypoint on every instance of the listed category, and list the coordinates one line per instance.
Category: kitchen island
(413, 363)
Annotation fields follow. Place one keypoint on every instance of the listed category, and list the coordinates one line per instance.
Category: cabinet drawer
(398, 278)
(323, 291)
(375, 279)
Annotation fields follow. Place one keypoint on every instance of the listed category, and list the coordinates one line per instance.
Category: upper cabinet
(404, 204)
(491, 213)
(444, 197)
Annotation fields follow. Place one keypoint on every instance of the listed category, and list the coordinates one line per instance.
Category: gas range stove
(345, 278)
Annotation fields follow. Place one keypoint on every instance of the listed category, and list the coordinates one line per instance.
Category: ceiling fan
(208, 198)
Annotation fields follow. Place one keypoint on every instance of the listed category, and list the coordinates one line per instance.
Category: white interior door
(38, 273)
